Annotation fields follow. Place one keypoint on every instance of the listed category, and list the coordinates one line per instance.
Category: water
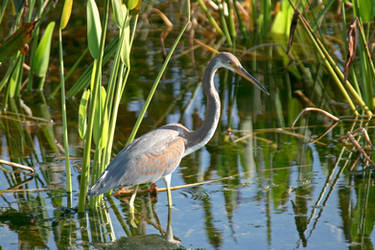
(277, 191)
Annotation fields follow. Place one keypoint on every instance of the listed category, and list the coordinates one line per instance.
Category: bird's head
(229, 61)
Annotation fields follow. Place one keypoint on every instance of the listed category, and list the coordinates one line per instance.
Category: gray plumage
(157, 154)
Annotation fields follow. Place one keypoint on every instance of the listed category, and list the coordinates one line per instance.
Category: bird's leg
(131, 203)
(167, 180)
(169, 226)
(131, 207)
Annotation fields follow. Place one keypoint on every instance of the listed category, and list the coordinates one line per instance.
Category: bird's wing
(161, 161)
(147, 159)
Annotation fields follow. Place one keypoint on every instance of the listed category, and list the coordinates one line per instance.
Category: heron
(157, 154)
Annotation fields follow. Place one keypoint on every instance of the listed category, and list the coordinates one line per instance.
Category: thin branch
(17, 165)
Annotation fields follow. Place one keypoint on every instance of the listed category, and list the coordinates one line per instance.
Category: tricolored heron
(157, 154)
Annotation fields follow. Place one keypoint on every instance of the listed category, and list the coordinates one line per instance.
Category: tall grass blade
(210, 17)
(333, 69)
(232, 25)
(65, 124)
(65, 16)
(224, 24)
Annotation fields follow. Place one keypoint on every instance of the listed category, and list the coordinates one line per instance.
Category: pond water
(270, 189)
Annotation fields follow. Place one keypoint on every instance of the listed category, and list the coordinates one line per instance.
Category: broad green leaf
(136, 9)
(67, 10)
(42, 52)
(82, 114)
(283, 19)
(132, 4)
(125, 46)
(94, 28)
(100, 128)
(16, 41)
(366, 9)
(119, 12)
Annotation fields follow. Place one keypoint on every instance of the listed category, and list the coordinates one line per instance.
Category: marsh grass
(272, 24)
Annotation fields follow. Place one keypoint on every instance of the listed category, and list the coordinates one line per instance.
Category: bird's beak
(242, 72)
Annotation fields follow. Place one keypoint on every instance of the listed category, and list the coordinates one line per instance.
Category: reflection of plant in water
(282, 166)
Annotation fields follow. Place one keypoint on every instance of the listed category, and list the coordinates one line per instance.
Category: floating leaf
(40, 58)
(65, 16)
(82, 114)
(94, 28)
(16, 41)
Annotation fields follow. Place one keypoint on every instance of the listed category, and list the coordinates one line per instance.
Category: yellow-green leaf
(82, 114)
(125, 46)
(366, 9)
(65, 16)
(132, 4)
(283, 19)
(119, 12)
(100, 128)
(41, 56)
(137, 8)
(94, 28)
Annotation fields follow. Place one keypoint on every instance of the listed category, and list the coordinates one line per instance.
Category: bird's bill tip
(242, 72)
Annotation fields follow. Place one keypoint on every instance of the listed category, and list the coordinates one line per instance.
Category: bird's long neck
(201, 136)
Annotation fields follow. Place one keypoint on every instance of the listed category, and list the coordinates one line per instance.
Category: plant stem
(88, 137)
(65, 125)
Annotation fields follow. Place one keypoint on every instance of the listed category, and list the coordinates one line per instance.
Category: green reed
(96, 43)
(272, 24)
(65, 16)
(25, 30)
(97, 124)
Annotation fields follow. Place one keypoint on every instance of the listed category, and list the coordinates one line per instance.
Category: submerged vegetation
(311, 55)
